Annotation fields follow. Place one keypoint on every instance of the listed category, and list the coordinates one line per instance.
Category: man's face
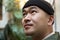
(35, 20)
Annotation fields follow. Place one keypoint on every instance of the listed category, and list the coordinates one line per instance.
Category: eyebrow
(33, 7)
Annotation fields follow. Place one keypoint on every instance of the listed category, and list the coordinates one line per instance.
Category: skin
(36, 22)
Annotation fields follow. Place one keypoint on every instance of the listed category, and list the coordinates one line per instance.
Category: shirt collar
(49, 35)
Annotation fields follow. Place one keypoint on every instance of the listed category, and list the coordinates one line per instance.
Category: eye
(33, 11)
(24, 14)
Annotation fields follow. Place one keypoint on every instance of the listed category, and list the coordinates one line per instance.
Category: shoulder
(55, 36)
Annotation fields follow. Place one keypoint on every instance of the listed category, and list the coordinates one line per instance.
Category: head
(37, 17)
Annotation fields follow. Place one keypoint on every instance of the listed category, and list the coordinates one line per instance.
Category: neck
(43, 35)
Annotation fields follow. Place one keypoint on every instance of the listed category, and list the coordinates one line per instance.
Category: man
(38, 19)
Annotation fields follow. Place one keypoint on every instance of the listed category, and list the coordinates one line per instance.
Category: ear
(50, 20)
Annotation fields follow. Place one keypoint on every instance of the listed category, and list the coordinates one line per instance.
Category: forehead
(31, 7)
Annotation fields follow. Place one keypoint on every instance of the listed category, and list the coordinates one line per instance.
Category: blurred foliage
(18, 14)
(16, 32)
(15, 26)
(12, 5)
(0, 2)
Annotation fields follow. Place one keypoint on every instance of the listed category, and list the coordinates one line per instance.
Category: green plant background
(16, 32)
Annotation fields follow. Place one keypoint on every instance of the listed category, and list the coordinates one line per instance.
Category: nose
(27, 18)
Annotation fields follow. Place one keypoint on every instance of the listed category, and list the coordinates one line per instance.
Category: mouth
(27, 26)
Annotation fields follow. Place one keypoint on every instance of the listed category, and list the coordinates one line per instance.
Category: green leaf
(18, 14)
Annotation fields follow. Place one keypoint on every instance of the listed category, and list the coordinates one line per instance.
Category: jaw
(30, 31)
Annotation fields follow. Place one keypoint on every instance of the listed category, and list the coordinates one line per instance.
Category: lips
(27, 26)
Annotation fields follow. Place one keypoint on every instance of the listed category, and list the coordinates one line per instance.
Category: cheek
(39, 21)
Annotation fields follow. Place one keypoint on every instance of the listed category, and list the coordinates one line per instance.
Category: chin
(29, 32)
